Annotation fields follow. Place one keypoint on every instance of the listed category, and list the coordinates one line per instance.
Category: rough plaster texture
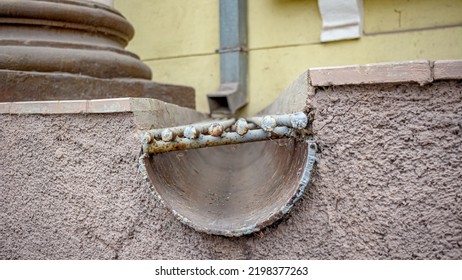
(389, 181)
(388, 185)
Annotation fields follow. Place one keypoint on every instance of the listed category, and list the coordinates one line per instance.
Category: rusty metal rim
(223, 132)
(226, 138)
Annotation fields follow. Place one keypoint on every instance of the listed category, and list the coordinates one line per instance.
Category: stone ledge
(94, 106)
(447, 69)
(147, 113)
(421, 72)
(413, 71)
(35, 86)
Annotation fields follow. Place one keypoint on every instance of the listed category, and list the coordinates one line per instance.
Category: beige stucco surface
(387, 185)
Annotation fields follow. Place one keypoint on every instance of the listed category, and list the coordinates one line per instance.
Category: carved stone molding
(79, 37)
(79, 45)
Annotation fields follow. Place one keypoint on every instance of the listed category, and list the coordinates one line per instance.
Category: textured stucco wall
(388, 185)
(389, 181)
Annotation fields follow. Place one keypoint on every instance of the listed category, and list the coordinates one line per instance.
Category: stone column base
(36, 86)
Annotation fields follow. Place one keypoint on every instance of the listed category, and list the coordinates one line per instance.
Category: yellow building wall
(178, 39)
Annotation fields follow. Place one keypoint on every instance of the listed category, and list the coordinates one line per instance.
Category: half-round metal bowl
(231, 190)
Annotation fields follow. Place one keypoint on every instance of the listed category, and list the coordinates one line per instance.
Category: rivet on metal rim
(223, 132)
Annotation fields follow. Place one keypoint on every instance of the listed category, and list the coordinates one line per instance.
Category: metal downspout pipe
(232, 93)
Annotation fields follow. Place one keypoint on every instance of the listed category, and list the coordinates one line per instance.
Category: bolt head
(146, 138)
(242, 126)
(216, 129)
(268, 123)
(299, 120)
(167, 135)
(191, 132)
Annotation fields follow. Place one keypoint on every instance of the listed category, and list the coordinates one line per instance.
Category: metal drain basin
(230, 189)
